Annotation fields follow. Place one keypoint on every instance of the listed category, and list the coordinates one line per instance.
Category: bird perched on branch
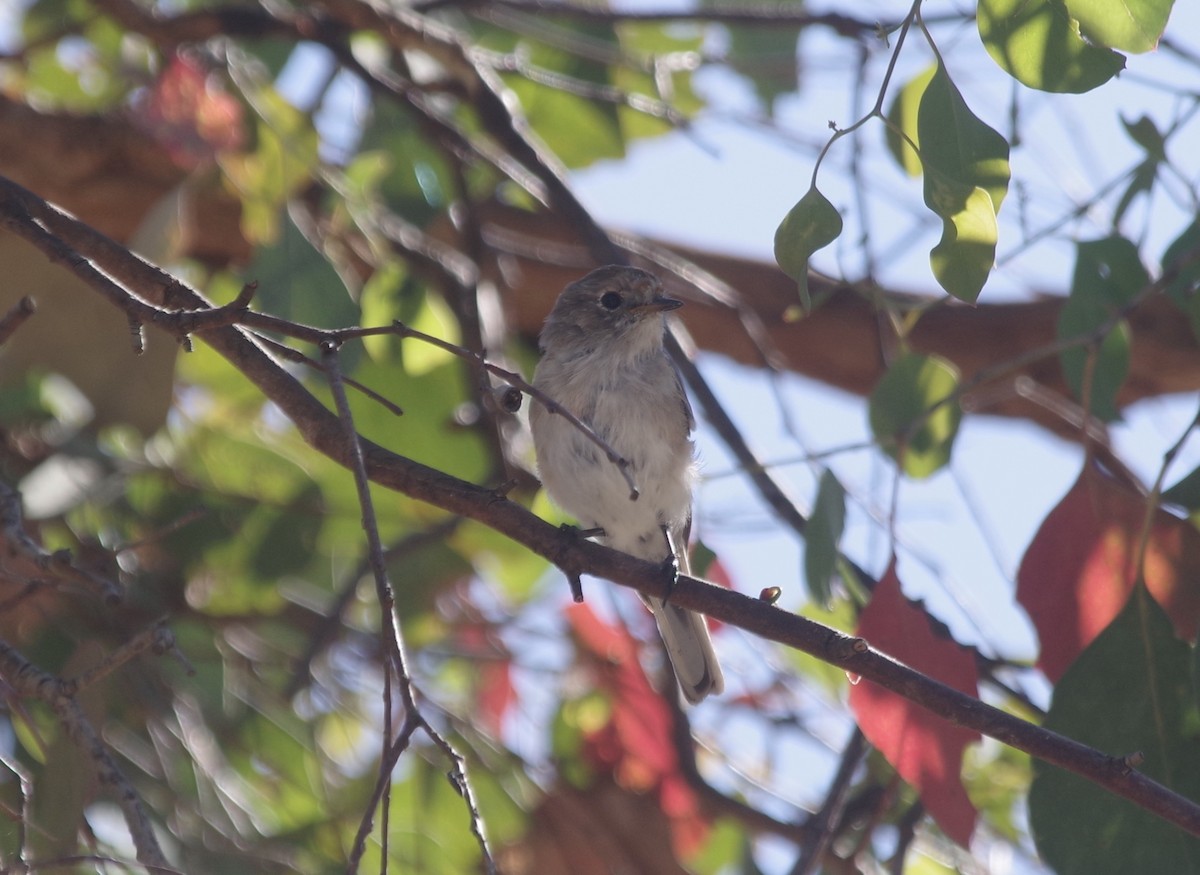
(603, 361)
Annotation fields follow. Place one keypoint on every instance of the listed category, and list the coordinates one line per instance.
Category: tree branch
(323, 430)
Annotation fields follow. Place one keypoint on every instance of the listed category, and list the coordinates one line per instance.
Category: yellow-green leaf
(1132, 25)
(810, 225)
(963, 258)
(1038, 43)
(910, 413)
(902, 121)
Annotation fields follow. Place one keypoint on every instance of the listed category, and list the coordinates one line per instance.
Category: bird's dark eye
(610, 300)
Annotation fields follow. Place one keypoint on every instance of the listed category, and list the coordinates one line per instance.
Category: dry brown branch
(29, 681)
(26, 559)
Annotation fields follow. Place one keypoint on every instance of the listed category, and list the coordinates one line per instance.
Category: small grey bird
(603, 360)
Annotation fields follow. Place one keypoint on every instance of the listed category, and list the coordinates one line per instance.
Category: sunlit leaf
(823, 535)
(516, 569)
(1082, 564)
(662, 74)
(435, 319)
(966, 177)
(283, 159)
(962, 260)
(379, 302)
(911, 416)
(1132, 25)
(902, 118)
(1038, 43)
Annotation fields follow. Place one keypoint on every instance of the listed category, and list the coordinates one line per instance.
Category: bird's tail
(689, 648)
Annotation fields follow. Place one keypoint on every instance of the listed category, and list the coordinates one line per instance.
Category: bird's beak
(658, 304)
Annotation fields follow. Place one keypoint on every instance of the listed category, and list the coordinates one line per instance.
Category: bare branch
(390, 631)
(29, 680)
(58, 565)
(15, 317)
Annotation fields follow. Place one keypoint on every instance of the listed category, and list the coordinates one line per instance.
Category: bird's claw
(595, 532)
(670, 569)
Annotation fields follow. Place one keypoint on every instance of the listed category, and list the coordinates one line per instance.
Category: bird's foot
(573, 577)
(670, 570)
(595, 532)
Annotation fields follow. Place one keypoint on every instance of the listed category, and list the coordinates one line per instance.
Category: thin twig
(29, 680)
(157, 638)
(332, 615)
(59, 564)
(823, 824)
(15, 317)
(390, 627)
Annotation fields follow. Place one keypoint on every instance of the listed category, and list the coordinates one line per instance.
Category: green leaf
(902, 117)
(1141, 182)
(722, 850)
(1181, 270)
(1132, 25)
(1185, 493)
(1038, 43)
(435, 319)
(419, 183)
(810, 225)
(766, 57)
(429, 823)
(653, 45)
(822, 537)
(295, 281)
(962, 260)
(282, 162)
(1108, 274)
(283, 540)
(578, 129)
(900, 412)
(44, 19)
(966, 178)
(957, 144)
(1130, 690)
(494, 556)
(1147, 135)
(380, 305)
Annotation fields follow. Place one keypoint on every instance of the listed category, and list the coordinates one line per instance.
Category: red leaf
(494, 690)
(189, 112)
(636, 746)
(495, 694)
(1079, 569)
(925, 749)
